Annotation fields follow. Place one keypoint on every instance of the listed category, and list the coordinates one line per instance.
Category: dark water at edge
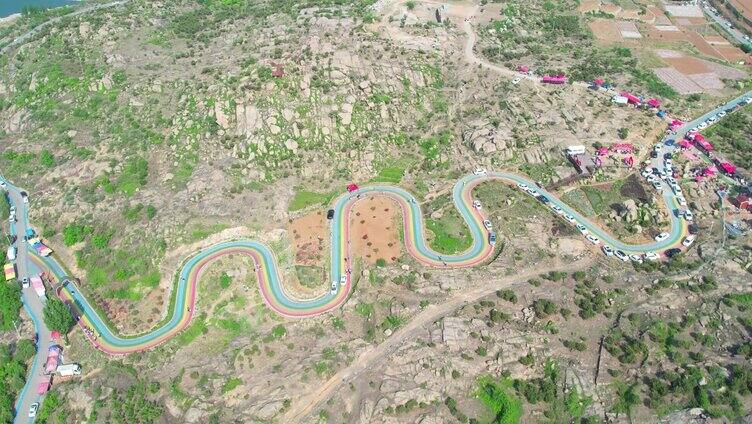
(9, 7)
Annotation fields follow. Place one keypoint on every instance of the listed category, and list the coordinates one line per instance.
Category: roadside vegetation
(732, 136)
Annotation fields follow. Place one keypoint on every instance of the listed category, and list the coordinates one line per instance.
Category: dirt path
(305, 405)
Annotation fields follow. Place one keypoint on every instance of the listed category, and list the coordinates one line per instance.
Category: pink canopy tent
(352, 187)
(654, 103)
(524, 69)
(599, 81)
(684, 143)
(602, 151)
(631, 98)
(554, 79)
(623, 148)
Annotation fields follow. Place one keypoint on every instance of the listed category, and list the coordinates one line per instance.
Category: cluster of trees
(13, 374)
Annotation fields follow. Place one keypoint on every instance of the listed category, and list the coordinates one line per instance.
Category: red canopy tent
(599, 81)
(684, 143)
(727, 167)
(522, 68)
(631, 98)
(654, 103)
(602, 151)
(352, 187)
(623, 148)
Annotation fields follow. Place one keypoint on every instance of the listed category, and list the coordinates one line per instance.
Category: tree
(10, 305)
(25, 350)
(622, 133)
(57, 316)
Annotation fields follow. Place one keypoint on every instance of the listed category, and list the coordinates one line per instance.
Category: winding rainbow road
(284, 303)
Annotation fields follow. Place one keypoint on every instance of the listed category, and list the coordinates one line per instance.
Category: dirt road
(305, 405)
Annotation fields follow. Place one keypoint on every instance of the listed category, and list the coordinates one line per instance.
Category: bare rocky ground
(227, 145)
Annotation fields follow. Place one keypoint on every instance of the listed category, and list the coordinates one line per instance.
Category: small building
(619, 100)
(742, 201)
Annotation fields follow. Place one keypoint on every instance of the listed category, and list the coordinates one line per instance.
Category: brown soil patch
(702, 45)
(605, 30)
(589, 6)
(731, 53)
(310, 235)
(687, 65)
(373, 226)
(654, 34)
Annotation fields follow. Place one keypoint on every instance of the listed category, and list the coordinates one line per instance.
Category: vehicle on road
(682, 200)
(330, 214)
(607, 250)
(492, 238)
(480, 171)
(657, 186)
(33, 409)
(11, 254)
(669, 142)
(487, 224)
(621, 255)
(670, 253)
(570, 218)
(516, 80)
(543, 198)
(343, 279)
(557, 209)
(652, 256)
(477, 205)
(582, 229)
(667, 157)
(25, 197)
(522, 186)
(689, 240)
(688, 215)
(662, 236)
(334, 287)
(592, 239)
(25, 283)
(3, 185)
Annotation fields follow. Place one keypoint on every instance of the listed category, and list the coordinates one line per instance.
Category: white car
(607, 250)
(516, 80)
(480, 171)
(476, 204)
(487, 224)
(33, 410)
(533, 192)
(636, 258)
(662, 236)
(343, 279)
(646, 173)
(621, 255)
(557, 209)
(652, 256)
(689, 240)
(522, 186)
(721, 114)
(688, 215)
(682, 200)
(593, 239)
(657, 186)
(702, 125)
(582, 229)
(3, 185)
(334, 287)
(570, 218)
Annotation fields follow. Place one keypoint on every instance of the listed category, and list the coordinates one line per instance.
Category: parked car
(25, 283)
(543, 198)
(636, 258)
(669, 142)
(688, 215)
(516, 80)
(670, 253)
(492, 238)
(3, 185)
(582, 229)
(607, 250)
(621, 255)
(682, 200)
(33, 409)
(522, 186)
(652, 256)
(487, 224)
(476, 204)
(25, 197)
(592, 239)
(334, 287)
(667, 156)
(330, 214)
(570, 218)
(480, 171)
(689, 240)
(662, 236)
